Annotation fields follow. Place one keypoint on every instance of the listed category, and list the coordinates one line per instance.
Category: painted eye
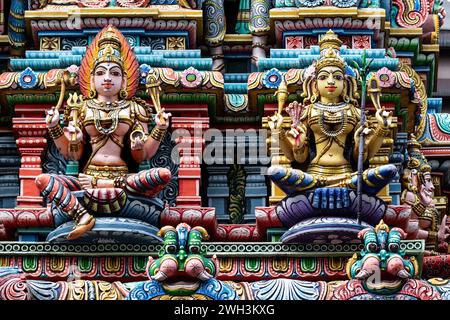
(171, 249)
(393, 247)
(194, 249)
(372, 247)
(338, 77)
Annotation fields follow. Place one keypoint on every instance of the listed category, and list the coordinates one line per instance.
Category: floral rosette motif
(191, 78)
(28, 79)
(272, 78)
(386, 77)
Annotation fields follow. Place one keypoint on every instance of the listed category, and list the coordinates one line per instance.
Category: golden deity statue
(327, 126)
(109, 120)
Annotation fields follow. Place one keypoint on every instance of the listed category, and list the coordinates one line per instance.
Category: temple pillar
(218, 191)
(188, 135)
(9, 169)
(259, 27)
(30, 131)
(255, 191)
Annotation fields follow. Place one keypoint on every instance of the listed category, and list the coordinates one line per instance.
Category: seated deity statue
(327, 126)
(419, 194)
(115, 125)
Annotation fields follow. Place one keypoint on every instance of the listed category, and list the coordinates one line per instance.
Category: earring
(92, 93)
(123, 94)
(315, 94)
(345, 95)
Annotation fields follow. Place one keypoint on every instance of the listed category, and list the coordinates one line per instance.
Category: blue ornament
(349, 71)
(28, 79)
(144, 70)
(272, 78)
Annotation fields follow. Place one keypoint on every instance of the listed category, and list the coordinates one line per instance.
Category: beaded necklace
(332, 118)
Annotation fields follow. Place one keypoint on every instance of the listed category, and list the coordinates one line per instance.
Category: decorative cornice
(154, 12)
(221, 249)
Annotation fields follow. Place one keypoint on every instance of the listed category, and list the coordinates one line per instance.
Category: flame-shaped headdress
(109, 46)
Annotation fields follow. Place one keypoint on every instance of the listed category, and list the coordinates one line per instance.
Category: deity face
(108, 80)
(426, 189)
(330, 82)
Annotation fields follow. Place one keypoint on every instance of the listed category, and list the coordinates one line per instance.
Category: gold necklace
(113, 109)
(340, 118)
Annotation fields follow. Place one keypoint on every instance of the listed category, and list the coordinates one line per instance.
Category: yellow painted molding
(430, 47)
(238, 38)
(406, 32)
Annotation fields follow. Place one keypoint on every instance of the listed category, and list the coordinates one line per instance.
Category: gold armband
(158, 134)
(419, 208)
(55, 132)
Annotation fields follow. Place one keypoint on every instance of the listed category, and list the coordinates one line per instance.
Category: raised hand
(52, 117)
(70, 130)
(162, 119)
(276, 121)
(384, 117)
(444, 230)
(365, 131)
(137, 143)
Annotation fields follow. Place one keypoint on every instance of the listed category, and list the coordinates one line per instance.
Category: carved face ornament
(330, 83)
(426, 189)
(108, 79)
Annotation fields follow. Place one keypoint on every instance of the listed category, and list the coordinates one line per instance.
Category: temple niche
(328, 150)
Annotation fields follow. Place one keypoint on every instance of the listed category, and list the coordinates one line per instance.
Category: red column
(189, 139)
(31, 142)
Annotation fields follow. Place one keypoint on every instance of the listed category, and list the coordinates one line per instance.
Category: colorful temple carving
(175, 149)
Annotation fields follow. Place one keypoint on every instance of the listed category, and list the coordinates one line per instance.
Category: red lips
(107, 85)
(331, 88)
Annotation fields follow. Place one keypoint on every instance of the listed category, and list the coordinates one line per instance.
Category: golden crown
(416, 159)
(330, 45)
(109, 48)
(330, 41)
(330, 59)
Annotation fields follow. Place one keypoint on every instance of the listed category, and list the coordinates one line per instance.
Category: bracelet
(119, 182)
(55, 132)
(75, 147)
(217, 56)
(382, 131)
(432, 235)
(158, 134)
